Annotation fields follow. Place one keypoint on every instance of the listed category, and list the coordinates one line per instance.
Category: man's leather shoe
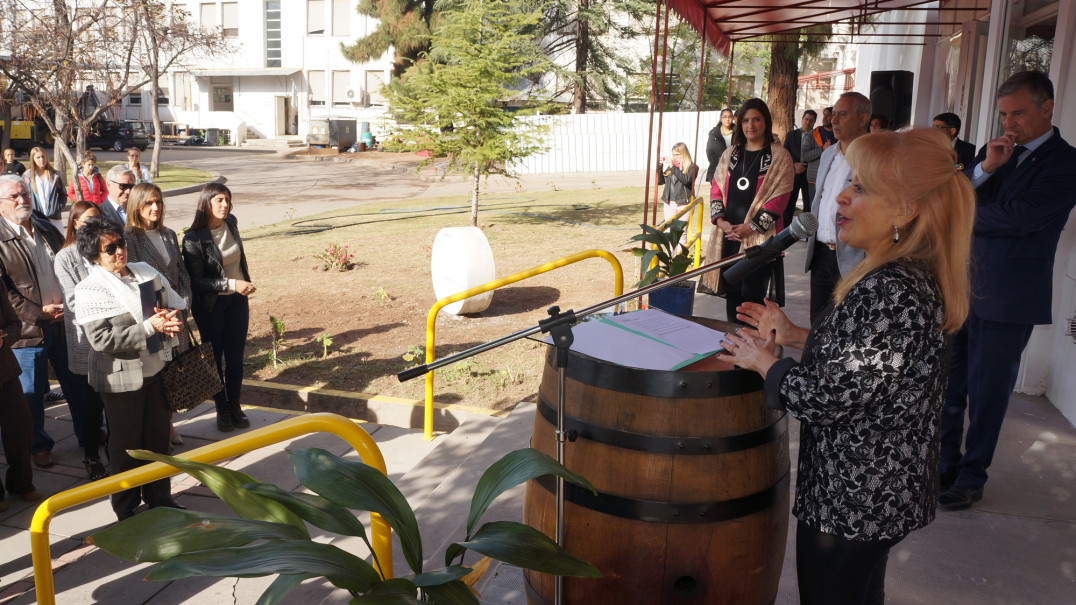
(44, 459)
(947, 480)
(959, 498)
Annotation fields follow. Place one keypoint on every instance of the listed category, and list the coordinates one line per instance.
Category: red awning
(726, 21)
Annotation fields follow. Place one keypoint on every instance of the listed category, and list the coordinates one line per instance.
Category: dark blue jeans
(982, 374)
(35, 362)
(225, 325)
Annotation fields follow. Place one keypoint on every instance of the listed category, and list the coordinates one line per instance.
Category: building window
(341, 18)
(341, 85)
(374, 81)
(162, 96)
(208, 15)
(230, 19)
(272, 33)
(134, 99)
(317, 88)
(222, 98)
(315, 17)
(183, 91)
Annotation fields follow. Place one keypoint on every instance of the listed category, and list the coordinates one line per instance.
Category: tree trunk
(5, 115)
(155, 75)
(582, 53)
(474, 197)
(781, 91)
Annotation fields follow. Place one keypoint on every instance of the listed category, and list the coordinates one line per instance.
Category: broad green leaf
(439, 576)
(649, 238)
(356, 485)
(227, 485)
(524, 546)
(289, 557)
(453, 551)
(318, 511)
(514, 468)
(394, 591)
(452, 593)
(280, 588)
(160, 533)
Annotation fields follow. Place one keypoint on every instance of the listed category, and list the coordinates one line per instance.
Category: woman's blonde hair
(49, 170)
(920, 165)
(684, 153)
(140, 194)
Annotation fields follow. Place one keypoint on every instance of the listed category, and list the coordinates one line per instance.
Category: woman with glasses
(47, 187)
(150, 242)
(213, 253)
(71, 269)
(141, 172)
(130, 345)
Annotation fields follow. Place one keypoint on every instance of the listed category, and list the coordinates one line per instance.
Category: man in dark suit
(120, 181)
(949, 123)
(1025, 191)
(793, 143)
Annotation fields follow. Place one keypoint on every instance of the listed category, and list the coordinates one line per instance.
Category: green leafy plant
(382, 295)
(270, 535)
(667, 258)
(336, 258)
(413, 353)
(276, 329)
(326, 341)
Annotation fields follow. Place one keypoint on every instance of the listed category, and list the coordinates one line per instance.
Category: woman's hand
(166, 322)
(727, 228)
(769, 318)
(244, 287)
(741, 231)
(748, 352)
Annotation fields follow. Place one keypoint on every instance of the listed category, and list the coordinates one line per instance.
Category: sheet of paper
(673, 330)
(612, 343)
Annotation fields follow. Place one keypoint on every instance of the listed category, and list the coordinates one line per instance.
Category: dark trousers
(799, 189)
(16, 430)
(982, 374)
(138, 421)
(225, 325)
(78, 388)
(835, 571)
(752, 288)
(825, 273)
(35, 362)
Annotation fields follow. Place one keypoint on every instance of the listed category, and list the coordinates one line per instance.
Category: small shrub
(335, 258)
(326, 342)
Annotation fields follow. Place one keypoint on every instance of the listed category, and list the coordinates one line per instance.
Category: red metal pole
(702, 77)
(732, 57)
(661, 107)
(653, 87)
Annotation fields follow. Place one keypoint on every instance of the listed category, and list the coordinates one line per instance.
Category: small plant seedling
(336, 258)
(276, 328)
(326, 342)
(382, 295)
(413, 353)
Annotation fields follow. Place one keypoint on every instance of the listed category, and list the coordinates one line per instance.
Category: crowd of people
(72, 299)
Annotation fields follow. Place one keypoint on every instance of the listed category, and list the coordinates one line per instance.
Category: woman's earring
(896, 234)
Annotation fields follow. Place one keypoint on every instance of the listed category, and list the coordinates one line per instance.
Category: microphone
(802, 227)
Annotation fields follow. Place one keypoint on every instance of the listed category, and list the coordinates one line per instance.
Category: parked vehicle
(117, 135)
(26, 135)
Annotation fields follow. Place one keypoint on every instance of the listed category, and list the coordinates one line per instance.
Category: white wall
(873, 57)
(613, 142)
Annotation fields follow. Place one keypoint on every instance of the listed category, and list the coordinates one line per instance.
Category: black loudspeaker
(891, 96)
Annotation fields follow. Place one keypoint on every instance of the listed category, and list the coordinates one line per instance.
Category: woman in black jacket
(220, 284)
(719, 140)
(679, 181)
(870, 387)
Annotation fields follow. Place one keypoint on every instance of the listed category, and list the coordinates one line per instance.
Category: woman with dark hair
(719, 140)
(217, 264)
(870, 387)
(150, 242)
(71, 268)
(128, 352)
(747, 199)
(46, 186)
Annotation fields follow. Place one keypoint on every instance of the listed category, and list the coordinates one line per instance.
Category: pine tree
(455, 103)
(403, 25)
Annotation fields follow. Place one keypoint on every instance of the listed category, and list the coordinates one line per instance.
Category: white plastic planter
(462, 259)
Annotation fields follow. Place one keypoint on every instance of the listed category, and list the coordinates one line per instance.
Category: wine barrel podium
(692, 473)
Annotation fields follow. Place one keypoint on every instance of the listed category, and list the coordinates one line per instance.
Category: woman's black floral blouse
(869, 393)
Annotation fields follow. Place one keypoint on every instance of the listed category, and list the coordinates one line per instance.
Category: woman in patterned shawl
(870, 387)
(747, 198)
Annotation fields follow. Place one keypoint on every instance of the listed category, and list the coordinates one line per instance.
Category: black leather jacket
(19, 274)
(206, 266)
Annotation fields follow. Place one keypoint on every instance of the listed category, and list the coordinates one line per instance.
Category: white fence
(612, 142)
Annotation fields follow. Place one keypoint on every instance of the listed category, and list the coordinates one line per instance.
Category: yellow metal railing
(347, 430)
(431, 319)
(694, 227)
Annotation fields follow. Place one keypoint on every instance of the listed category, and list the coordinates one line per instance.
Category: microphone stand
(559, 326)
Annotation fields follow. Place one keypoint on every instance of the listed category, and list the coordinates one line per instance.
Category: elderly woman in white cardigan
(131, 341)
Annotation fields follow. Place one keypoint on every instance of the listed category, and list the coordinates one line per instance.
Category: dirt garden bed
(375, 313)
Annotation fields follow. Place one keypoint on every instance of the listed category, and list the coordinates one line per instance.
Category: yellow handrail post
(431, 318)
(359, 439)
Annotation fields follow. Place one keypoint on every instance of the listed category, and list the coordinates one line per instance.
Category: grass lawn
(171, 177)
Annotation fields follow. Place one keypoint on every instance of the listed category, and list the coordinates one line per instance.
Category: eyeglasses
(111, 248)
(942, 126)
(123, 186)
(15, 197)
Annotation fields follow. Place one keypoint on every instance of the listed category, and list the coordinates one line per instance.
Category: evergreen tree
(403, 25)
(455, 103)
